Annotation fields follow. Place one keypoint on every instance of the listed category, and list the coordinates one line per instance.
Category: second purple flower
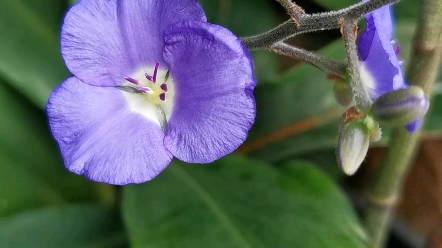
(381, 69)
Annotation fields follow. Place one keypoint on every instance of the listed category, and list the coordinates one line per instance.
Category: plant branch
(296, 12)
(422, 71)
(349, 33)
(310, 57)
(306, 23)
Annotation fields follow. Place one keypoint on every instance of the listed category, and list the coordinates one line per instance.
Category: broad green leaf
(403, 10)
(48, 12)
(325, 135)
(67, 227)
(326, 160)
(31, 172)
(237, 202)
(31, 61)
(246, 18)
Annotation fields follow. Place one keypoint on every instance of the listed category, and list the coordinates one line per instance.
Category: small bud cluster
(392, 102)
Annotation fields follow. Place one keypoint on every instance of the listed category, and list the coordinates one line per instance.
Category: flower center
(150, 94)
(154, 92)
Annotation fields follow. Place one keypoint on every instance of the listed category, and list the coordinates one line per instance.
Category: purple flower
(152, 80)
(381, 70)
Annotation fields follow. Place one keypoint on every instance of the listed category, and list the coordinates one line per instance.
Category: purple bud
(400, 107)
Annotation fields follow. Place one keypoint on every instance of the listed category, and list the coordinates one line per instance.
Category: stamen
(155, 72)
(131, 80)
(153, 78)
(163, 97)
(145, 90)
(164, 87)
(400, 62)
(149, 77)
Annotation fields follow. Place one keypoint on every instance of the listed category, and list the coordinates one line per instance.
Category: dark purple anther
(163, 97)
(131, 80)
(164, 87)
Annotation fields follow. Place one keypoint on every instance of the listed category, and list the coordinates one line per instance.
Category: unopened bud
(353, 145)
(343, 93)
(400, 107)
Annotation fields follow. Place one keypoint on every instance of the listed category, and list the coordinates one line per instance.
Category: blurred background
(282, 188)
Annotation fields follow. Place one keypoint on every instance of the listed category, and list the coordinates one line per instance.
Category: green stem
(361, 96)
(310, 57)
(306, 23)
(422, 71)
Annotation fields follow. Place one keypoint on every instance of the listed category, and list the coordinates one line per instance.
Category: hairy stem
(296, 12)
(349, 33)
(422, 71)
(310, 57)
(305, 23)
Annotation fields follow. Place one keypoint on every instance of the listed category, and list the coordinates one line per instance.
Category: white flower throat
(151, 95)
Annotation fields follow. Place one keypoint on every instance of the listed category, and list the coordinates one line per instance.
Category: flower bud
(400, 107)
(343, 93)
(353, 145)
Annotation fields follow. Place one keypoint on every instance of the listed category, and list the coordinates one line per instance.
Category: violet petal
(100, 137)
(103, 41)
(215, 108)
(413, 126)
(378, 55)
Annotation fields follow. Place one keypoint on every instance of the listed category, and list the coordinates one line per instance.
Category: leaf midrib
(211, 203)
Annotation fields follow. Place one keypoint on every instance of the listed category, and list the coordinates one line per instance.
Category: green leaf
(245, 18)
(403, 10)
(31, 61)
(31, 172)
(326, 160)
(296, 97)
(70, 226)
(237, 202)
